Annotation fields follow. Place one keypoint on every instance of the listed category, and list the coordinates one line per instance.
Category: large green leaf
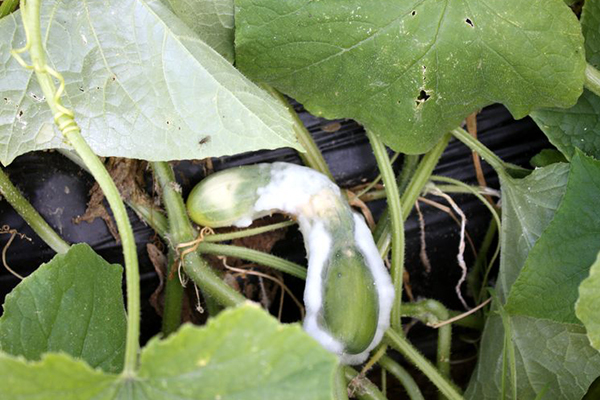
(549, 356)
(528, 206)
(579, 126)
(73, 304)
(212, 20)
(243, 354)
(588, 304)
(412, 70)
(141, 83)
(561, 258)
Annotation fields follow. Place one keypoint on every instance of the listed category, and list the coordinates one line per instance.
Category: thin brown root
(423, 253)
(461, 244)
(358, 203)
(198, 303)
(448, 211)
(189, 248)
(266, 276)
(5, 229)
(461, 316)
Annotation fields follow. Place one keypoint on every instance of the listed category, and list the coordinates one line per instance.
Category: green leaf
(56, 376)
(547, 157)
(412, 70)
(579, 126)
(141, 83)
(549, 356)
(528, 206)
(561, 258)
(588, 304)
(211, 20)
(73, 304)
(243, 353)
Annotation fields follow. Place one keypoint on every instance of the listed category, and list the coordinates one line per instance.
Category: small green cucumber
(348, 294)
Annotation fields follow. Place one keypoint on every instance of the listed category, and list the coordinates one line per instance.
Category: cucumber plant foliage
(158, 80)
(413, 70)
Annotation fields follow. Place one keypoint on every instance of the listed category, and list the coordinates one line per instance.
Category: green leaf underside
(141, 83)
(411, 71)
(588, 304)
(211, 20)
(547, 157)
(242, 354)
(73, 304)
(528, 206)
(550, 355)
(579, 126)
(561, 258)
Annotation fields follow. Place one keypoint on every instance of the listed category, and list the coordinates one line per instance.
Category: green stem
(407, 381)
(30, 12)
(397, 224)
(173, 300)
(221, 237)
(592, 79)
(313, 157)
(181, 231)
(255, 256)
(412, 192)
(366, 389)
(400, 343)
(340, 384)
(431, 312)
(7, 7)
(30, 215)
(502, 168)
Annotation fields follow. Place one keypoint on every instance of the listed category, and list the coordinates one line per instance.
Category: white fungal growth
(313, 199)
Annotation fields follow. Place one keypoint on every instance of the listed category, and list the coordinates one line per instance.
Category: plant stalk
(430, 312)
(366, 389)
(30, 215)
(30, 12)
(173, 300)
(405, 379)
(313, 157)
(397, 224)
(592, 79)
(412, 192)
(181, 231)
(7, 7)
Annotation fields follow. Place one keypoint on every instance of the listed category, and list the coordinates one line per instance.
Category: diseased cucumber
(348, 294)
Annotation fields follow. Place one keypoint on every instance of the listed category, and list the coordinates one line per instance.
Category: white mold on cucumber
(349, 294)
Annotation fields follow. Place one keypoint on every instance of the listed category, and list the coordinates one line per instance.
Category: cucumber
(349, 294)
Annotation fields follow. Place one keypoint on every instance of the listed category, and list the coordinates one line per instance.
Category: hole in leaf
(413, 13)
(469, 22)
(422, 97)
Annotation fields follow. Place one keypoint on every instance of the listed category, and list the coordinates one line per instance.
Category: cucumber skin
(226, 197)
(350, 308)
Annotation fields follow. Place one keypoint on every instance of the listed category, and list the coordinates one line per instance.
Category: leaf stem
(8, 7)
(430, 312)
(64, 118)
(221, 237)
(181, 231)
(258, 257)
(407, 381)
(592, 79)
(405, 348)
(397, 224)
(412, 192)
(313, 157)
(367, 390)
(30, 215)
